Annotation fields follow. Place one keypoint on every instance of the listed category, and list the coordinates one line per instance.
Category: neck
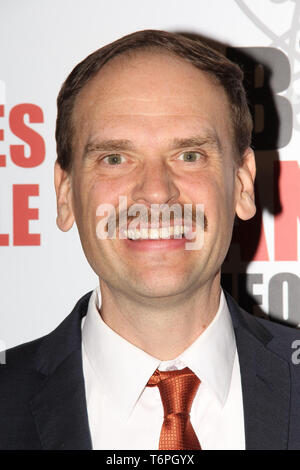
(162, 327)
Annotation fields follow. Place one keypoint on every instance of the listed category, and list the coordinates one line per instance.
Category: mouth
(159, 233)
(165, 238)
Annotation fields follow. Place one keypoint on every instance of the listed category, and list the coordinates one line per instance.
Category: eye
(114, 159)
(190, 156)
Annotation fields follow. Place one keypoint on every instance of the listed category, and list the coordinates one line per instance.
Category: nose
(155, 185)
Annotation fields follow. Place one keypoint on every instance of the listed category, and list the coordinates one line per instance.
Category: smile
(161, 233)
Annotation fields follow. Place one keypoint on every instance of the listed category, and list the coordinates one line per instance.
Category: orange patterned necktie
(177, 390)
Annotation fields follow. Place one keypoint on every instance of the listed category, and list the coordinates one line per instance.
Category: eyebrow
(211, 139)
(117, 145)
(113, 145)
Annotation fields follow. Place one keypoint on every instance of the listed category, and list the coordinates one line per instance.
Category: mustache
(155, 216)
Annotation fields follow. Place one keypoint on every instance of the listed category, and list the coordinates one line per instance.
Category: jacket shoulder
(22, 356)
(23, 373)
(19, 381)
(277, 337)
(285, 338)
(279, 329)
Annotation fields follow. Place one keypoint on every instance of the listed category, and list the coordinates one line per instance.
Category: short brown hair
(197, 52)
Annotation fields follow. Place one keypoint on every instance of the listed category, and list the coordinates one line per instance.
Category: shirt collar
(211, 355)
(123, 370)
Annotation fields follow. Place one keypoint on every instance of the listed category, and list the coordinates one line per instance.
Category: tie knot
(177, 389)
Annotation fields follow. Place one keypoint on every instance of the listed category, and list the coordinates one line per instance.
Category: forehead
(154, 91)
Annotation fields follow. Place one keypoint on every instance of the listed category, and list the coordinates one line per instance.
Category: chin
(159, 287)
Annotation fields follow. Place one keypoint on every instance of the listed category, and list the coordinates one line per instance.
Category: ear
(63, 189)
(245, 176)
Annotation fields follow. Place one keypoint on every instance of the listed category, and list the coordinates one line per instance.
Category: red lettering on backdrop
(2, 157)
(22, 214)
(4, 239)
(28, 135)
(285, 224)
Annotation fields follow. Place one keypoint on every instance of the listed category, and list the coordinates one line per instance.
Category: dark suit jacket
(42, 392)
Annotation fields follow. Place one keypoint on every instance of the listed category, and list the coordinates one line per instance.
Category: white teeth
(165, 232)
(155, 233)
(144, 233)
(133, 234)
(178, 230)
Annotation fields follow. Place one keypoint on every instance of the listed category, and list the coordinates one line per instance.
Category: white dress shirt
(125, 414)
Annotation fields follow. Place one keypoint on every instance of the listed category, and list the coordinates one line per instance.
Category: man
(158, 356)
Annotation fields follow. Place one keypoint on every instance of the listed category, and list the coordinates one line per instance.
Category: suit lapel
(59, 408)
(265, 378)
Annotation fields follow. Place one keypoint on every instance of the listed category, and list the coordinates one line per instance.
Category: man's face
(157, 130)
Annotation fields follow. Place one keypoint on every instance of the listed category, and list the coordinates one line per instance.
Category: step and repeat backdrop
(42, 270)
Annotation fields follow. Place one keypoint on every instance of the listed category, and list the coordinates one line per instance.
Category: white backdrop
(41, 41)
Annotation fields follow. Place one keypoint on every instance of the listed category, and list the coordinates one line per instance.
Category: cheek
(86, 198)
(107, 192)
(204, 189)
(216, 194)
(102, 201)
